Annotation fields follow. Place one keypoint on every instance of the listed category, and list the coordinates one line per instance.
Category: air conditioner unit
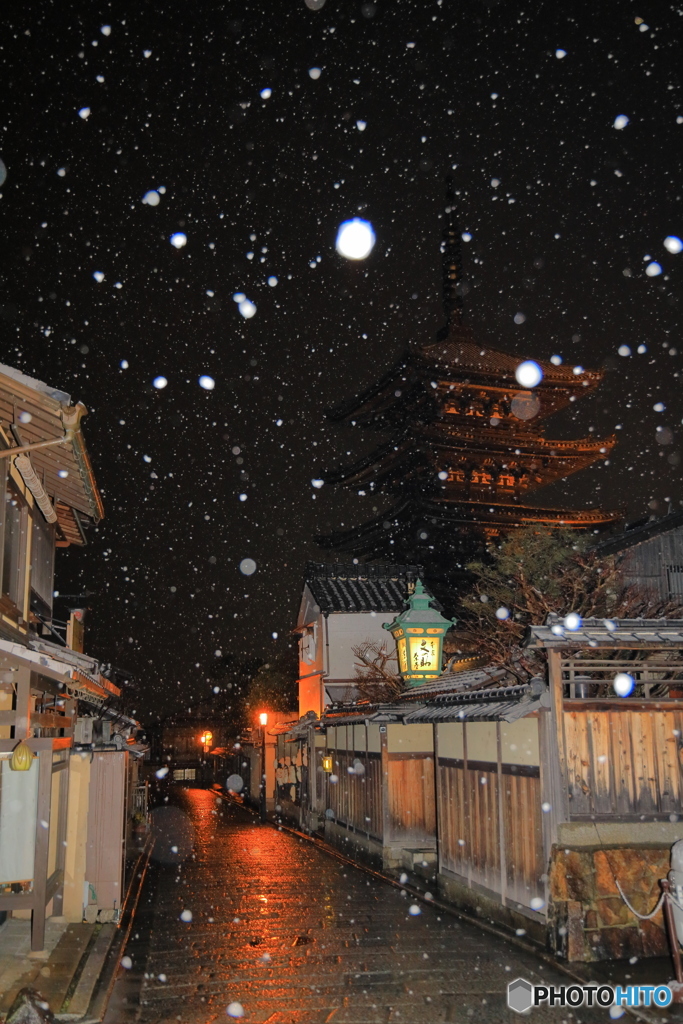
(83, 731)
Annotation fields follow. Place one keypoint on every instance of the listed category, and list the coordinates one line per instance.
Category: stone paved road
(296, 937)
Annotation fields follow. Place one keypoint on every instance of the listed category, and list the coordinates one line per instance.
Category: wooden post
(70, 710)
(386, 816)
(501, 817)
(312, 775)
(466, 801)
(556, 753)
(41, 849)
(22, 719)
(437, 798)
(63, 769)
(367, 809)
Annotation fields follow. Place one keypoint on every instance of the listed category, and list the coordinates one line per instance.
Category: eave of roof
(461, 354)
(459, 511)
(344, 587)
(630, 538)
(502, 703)
(616, 634)
(50, 414)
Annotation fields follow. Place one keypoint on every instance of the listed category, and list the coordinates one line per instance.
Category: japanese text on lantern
(424, 654)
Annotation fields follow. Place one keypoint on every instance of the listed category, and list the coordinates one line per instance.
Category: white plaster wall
(347, 630)
(519, 742)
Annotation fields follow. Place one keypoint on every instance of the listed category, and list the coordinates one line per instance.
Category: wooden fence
(490, 827)
(411, 798)
(489, 807)
(355, 798)
(623, 763)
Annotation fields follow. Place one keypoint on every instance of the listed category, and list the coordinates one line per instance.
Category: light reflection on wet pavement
(296, 937)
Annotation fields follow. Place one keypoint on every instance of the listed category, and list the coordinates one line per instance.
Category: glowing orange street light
(206, 739)
(263, 719)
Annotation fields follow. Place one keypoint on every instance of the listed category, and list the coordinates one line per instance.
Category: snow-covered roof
(627, 634)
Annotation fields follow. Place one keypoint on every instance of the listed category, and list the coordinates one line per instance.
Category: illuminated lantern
(419, 632)
(206, 740)
(22, 758)
(327, 762)
(263, 718)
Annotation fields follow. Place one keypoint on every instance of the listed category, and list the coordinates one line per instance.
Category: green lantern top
(419, 631)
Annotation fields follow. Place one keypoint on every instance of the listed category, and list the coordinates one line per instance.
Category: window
(14, 547)
(307, 645)
(42, 564)
(674, 575)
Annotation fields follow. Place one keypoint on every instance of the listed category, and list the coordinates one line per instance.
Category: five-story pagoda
(465, 446)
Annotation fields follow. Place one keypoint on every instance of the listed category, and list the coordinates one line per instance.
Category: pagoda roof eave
(490, 439)
(538, 514)
(487, 515)
(460, 353)
(579, 454)
(471, 369)
(345, 409)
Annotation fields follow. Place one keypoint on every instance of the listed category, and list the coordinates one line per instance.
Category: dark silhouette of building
(463, 447)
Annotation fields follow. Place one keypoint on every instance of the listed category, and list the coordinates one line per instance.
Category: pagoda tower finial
(451, 259)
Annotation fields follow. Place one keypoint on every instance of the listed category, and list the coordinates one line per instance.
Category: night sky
(407, 91)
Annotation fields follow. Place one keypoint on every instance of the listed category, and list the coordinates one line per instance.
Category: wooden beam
(38, 743)
(54, 882)
(44, 719)
(16, 901)
(623, 704)
(16, 663)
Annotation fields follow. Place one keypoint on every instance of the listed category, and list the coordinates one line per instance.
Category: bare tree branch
(375, 678)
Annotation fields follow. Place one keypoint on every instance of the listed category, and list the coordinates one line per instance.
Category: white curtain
(18, 808)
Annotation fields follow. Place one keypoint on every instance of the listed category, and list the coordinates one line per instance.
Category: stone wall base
(588, 920)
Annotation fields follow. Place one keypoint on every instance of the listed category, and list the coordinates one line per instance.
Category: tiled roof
(516, 706)
(343, 587)
(450, 684)
(638, 534)
(496, 703)
(615, 633)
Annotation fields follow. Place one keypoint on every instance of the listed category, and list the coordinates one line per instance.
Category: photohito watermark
(523, 996)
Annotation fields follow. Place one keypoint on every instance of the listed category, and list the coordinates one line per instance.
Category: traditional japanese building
(464, 445)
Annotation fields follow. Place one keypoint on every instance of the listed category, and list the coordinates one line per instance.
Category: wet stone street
(235, 912)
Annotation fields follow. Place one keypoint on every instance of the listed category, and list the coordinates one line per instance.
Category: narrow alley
(294, 936)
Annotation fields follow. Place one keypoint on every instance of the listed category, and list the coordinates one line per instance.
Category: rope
(642, 917)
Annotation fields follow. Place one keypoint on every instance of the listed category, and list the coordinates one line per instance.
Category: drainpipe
(30, 478)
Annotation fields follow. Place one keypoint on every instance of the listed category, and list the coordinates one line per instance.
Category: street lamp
(419, 631)
(263, 719)
(206, 740)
